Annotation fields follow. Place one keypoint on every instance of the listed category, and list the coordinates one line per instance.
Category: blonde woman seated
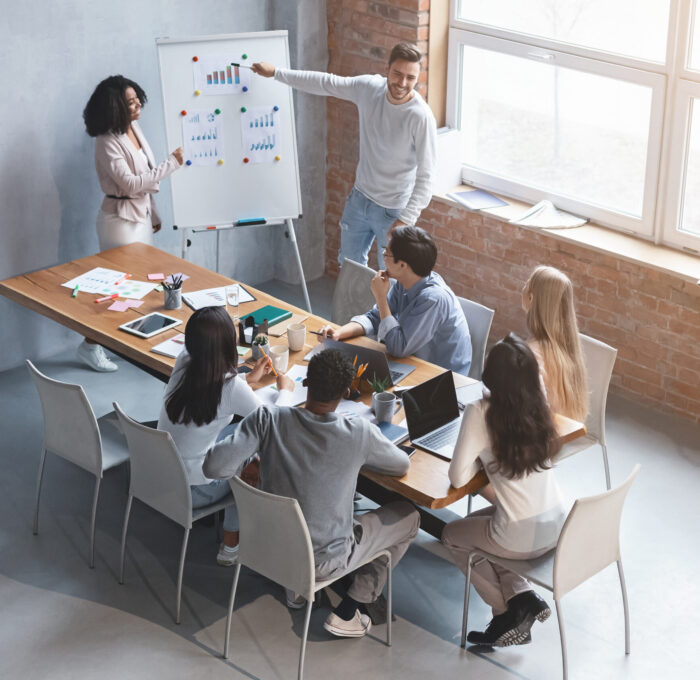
(548, 299)
(510, 433)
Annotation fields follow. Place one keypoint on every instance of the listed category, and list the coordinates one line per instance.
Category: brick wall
(653, 319)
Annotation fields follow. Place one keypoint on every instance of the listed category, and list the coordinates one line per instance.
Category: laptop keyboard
(395, 376)
(441, 437)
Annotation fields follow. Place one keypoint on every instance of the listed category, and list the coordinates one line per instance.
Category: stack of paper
(270, 394)
(214, 297)
(172, 347)
(545, 215)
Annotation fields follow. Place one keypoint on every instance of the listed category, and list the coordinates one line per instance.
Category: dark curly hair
(210, 340)
(329, 376)
(415, 247)
(106, 110)
(518, 419)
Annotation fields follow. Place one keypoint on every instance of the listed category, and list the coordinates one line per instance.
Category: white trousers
(113, 231)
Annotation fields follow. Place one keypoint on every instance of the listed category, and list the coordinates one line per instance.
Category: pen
(122, 279)
(272, 366)
(107, 297)
(75, 292)
(316, 332)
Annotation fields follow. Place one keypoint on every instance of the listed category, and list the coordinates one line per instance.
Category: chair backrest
(590, 538)
(479, 320)
(599, 359)
(352, 294)
(274, 538)
(70, 426)
(158, 476)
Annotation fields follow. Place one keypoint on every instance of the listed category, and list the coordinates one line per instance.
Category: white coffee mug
(296, 336)
(279, 354)
(384, 405)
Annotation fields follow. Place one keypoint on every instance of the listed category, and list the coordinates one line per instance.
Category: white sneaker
(357, 626)
(294, 601)
(94, 356)
(227, 556)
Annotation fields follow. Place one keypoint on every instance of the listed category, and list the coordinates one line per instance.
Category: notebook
(268, 313)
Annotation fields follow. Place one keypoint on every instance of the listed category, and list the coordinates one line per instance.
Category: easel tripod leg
(293, 239)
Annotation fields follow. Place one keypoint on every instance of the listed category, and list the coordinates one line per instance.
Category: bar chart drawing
(217, 74)
(260, 133)
(202, 137)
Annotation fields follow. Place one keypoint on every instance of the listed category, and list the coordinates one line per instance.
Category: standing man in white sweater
(393, 181)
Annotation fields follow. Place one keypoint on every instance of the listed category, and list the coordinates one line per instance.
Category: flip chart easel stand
(187, 242)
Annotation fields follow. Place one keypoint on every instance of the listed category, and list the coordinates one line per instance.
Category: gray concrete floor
(59, 619)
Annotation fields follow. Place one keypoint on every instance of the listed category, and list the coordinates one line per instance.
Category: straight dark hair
(405, 51)
(415, 247)
(518, 418)
(210, 340)
(106, 110)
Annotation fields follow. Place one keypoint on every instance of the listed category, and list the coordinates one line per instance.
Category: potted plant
(379, 384)
(259, 341)
(383, 402)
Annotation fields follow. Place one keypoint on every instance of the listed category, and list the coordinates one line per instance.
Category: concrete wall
(53, 56)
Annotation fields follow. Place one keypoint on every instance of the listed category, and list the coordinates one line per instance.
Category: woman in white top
(128, 175)
(203, 394)
(511, 433)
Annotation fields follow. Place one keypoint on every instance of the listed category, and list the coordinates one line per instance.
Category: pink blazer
(123, 171)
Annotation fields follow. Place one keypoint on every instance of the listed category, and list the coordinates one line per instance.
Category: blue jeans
(206, 494)
(363, 221)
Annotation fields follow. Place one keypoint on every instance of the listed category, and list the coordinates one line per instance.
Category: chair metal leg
(35, 528)
(92, 522)
(234, 586)
(607, 465)
(469, 505)
(302, 652)
(180, 570)
(562, 637)
(465, 613)
(127, 512)
(625, 605)
(388, 602)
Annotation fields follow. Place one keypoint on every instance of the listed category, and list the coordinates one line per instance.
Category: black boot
(532, 603)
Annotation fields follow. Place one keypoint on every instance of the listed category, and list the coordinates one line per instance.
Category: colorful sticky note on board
(156, 277)
(118, 306)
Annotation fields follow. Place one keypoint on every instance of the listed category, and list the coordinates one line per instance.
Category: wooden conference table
(426, 483)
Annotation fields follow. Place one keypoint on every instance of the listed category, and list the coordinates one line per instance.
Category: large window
(594, 104)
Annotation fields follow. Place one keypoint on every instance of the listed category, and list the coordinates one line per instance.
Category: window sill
(601, 239)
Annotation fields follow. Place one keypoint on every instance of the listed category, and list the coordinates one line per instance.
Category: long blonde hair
(551, 319)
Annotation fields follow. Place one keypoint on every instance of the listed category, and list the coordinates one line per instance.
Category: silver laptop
(433, 416)
(378, 364)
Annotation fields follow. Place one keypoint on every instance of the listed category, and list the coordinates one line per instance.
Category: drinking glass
(232, 300)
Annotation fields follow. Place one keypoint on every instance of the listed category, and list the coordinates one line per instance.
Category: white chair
(599, 359)
(71, 431)
(479, 320)
(589, 542)
(158, 479)
(352, 294)
(275, 542)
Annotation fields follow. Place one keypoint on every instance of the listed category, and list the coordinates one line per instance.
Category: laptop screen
(430, 405)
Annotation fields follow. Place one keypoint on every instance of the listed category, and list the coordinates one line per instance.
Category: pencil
(272, 366)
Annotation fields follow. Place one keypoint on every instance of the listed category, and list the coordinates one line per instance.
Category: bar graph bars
(217, 74)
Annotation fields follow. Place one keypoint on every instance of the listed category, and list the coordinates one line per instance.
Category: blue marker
(251, 221)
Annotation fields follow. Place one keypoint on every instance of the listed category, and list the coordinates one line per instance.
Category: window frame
(671, 84)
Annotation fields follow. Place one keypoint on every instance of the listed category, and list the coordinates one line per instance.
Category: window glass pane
(557, 129)
(690, 214)
(635, 28)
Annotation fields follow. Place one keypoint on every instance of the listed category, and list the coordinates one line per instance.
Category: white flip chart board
(237, 129)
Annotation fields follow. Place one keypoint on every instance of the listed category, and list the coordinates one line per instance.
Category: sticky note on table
(133, 303)
(156, 277)
(118, 306)
(181, 276)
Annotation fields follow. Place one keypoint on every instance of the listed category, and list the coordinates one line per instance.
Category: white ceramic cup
(296, 336)
(279, 354)
(384, 405)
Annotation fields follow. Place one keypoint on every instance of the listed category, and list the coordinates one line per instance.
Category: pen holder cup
(172, 298)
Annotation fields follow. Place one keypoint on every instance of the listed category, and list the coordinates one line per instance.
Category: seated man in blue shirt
(417, 313)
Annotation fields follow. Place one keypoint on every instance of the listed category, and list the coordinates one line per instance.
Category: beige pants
(113, 231)
(391, 527)
(494, 584)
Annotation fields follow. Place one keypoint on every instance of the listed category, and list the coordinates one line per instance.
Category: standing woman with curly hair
(128, 175)
(512, 434)
(548, 299)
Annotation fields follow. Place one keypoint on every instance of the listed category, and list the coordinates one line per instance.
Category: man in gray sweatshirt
(314, 455)
(398, 135)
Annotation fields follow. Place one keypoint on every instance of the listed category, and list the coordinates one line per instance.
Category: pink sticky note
(170, 277)
(133, 303)
(118, 306)
(156, 277)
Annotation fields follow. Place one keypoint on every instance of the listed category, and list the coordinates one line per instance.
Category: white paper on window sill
(546, 216)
